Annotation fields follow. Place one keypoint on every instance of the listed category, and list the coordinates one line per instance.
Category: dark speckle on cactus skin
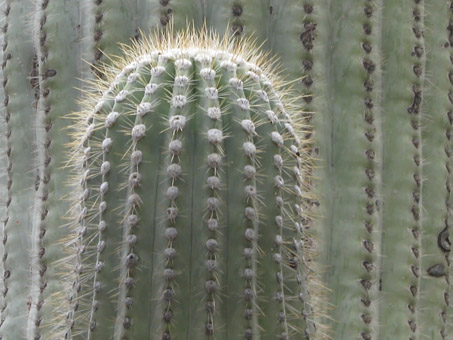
(443, 240)
(437, 270)
(237, 10)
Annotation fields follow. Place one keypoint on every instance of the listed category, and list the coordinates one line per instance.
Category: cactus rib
(17, 65)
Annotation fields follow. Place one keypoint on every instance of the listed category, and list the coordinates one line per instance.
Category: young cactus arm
(348, 137)
(18, 64)
(202, 260)
(436, 150)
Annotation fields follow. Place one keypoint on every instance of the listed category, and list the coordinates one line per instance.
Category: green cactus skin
(112, 22)
(17, 66)
(398, 130)
(436, 149)
(3, 162)
(349, 137)
(402, 215)
(33, 80)
(59, 65)
(193, 192)
(449, 309)
(415, 273)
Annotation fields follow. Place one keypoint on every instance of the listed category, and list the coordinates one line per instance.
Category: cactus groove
(191, 218)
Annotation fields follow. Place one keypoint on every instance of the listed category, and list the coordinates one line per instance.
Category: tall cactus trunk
(40, 68)
(382, 133)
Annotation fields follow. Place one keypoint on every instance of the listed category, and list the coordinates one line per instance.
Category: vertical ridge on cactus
(348, 135)
(436, 148)
(3, 164)
(397, 128)
(21, 155)
(57, 67)
(191, 213)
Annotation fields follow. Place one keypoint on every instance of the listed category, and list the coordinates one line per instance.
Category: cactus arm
(17, 68)
(436, 150)
(403, 81)
(201, 116)
(58, 69)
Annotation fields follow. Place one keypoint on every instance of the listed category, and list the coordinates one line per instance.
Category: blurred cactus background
(373, 101)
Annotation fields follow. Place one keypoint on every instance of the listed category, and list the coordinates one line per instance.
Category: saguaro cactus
(35, 77)
(192, 196)
(375, 84)
(382, 134)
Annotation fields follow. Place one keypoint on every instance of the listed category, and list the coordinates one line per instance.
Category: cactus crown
(191, 219)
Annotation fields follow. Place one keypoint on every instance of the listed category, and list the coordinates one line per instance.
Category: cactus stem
(181, 253)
